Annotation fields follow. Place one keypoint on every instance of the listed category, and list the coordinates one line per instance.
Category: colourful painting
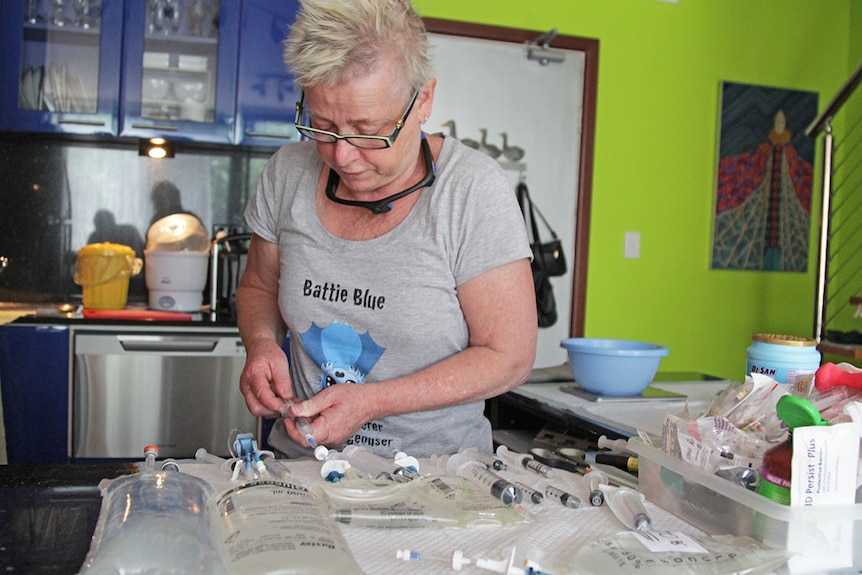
(764, 181)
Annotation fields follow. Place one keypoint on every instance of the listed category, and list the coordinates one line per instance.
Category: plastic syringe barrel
(462, 465)
(203, 455)
(369, 463)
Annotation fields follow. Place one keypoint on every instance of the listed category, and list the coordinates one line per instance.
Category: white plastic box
(827, 539)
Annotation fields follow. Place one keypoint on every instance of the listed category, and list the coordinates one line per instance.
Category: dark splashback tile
(58, 195)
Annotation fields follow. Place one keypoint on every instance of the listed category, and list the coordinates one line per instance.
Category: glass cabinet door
(266, 95)
(179, 68)
(60, 65)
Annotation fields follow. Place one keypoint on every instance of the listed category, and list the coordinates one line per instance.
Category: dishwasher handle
(161, 344)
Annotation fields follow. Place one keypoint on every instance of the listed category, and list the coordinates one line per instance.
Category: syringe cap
(320, 452)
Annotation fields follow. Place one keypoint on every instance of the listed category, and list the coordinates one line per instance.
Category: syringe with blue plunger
(302, 424)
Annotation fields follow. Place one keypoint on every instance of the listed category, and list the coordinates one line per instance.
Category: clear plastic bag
(625, 554)
(439, 501)
(278, 527)
(153, 523)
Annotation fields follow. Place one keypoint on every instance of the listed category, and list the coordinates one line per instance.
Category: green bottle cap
(798, 412)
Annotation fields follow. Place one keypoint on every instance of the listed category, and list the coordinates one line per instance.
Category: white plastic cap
(320, 452)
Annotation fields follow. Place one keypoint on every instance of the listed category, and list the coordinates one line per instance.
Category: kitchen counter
(37, 317)
(48, 513)
(50, 531)
(532, 407)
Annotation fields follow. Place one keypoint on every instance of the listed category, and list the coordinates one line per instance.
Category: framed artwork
(764, 178)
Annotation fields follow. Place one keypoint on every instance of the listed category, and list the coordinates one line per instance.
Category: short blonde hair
(333, 41)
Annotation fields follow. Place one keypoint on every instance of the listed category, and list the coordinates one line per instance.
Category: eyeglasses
(358, 140)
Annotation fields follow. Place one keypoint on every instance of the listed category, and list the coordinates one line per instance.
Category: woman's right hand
(265, 380)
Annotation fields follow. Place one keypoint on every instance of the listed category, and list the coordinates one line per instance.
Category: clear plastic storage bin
(827, 539)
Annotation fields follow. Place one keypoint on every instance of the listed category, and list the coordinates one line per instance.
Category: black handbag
(548, 255)
(548, 260)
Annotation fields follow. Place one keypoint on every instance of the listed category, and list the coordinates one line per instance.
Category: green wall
(660, 68)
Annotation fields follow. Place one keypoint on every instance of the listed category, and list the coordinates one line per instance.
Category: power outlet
(633, 245)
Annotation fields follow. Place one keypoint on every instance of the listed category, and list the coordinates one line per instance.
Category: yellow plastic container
(103, 271)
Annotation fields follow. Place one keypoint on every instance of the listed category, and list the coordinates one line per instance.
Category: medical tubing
(627, 505)
(462, 465)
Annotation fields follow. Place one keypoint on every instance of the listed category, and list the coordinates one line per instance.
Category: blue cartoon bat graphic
(342, 354)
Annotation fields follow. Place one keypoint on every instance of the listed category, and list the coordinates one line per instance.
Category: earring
(425, 120)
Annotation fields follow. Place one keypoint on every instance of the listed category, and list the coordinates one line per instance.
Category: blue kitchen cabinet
(180, 70)
(266, 95)
(34, 378)
(60, 67)
(207, 71)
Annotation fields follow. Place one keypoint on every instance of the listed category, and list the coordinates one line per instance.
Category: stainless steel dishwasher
(177, 390)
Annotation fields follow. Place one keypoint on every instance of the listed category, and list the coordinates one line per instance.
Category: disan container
(785, 358)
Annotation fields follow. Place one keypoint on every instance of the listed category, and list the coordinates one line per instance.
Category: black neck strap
(385, 205)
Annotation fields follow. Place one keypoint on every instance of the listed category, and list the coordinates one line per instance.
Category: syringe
(462, 465)
(524, 460)
(594, 480)
(302, 424)
(627, 505)
(490, 461)
(368, 463)
(566, 499)
(535, 496)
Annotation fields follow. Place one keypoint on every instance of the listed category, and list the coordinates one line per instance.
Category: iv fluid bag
(154, 523)
(279, 528)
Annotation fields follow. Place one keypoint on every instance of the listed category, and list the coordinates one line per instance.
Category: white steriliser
(176, 280)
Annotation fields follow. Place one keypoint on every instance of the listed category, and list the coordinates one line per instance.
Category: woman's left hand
(335, 414)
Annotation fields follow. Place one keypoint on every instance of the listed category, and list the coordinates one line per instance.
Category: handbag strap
(528, 207)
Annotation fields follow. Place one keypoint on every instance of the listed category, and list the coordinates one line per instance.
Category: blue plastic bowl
(615, 367)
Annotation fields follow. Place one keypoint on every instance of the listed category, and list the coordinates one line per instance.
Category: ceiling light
(156, 148)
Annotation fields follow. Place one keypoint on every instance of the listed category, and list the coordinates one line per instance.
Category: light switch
(633, 245)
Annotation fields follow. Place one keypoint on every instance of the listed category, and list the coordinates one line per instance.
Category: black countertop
(48, 514)
(197, 321)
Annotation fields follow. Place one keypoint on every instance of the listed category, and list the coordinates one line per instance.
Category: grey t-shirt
(373, 310)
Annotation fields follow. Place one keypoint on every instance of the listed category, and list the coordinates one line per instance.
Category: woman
(397, 260)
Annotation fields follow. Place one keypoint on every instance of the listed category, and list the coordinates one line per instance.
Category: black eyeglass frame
(331, 137)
